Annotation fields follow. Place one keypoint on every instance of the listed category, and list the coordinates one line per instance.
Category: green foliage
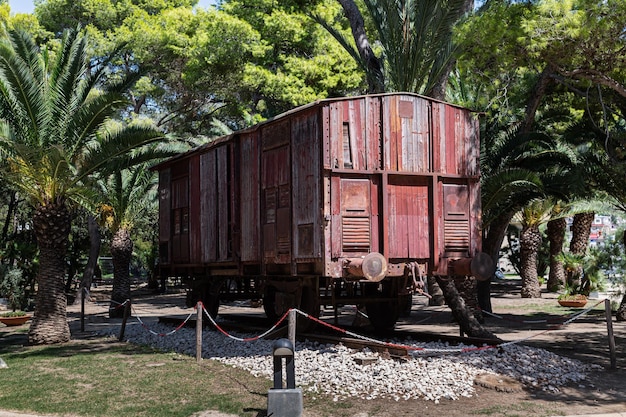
(609, 258)
(16, 313)
(241, 63)
(299, 62)
(53, 119)
(413, 40)
(584, 272)
(12, 287)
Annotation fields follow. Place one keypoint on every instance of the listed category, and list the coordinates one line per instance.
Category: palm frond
(53, 119)
(112, 144)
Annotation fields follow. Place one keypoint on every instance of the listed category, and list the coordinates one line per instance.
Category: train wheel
(382, 314)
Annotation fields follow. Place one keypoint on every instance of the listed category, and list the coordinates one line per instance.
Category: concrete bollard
(284, 401)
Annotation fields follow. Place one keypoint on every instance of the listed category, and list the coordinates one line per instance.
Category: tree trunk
(121, 252)
(468, 323)
(435, 292)
(534, 100)
(466, 287)
(556, 235)
(374, 68)
(95, 241)
(9, 220)
(492, 242)
(581, 227)
(52, 224)
(530, 241)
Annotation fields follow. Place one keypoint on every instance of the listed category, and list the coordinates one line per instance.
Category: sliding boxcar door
(276, 200)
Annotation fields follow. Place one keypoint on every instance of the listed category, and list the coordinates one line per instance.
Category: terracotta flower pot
(14, 321)
(573, 303)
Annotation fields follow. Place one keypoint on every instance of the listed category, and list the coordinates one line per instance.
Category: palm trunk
(492, 242)
(121, 252)
(530, 241)
(556, 235)
(461, 313)
(581, 227)
(52, 224)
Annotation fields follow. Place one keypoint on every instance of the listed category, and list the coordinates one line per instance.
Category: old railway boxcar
(342, 201)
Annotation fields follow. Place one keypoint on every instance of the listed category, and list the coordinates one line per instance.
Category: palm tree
(518, 167)
(556, 236)
(533, 215)
(130, 194)
(416, 40)
(54, 134)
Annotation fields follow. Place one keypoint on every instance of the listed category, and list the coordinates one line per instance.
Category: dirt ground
(584, 339)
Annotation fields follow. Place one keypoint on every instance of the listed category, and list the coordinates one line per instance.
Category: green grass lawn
(105, 378)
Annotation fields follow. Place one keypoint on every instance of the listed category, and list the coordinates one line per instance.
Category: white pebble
(332, 369)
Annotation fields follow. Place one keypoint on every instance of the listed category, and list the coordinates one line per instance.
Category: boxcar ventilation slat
(456, 235)
(355, 234)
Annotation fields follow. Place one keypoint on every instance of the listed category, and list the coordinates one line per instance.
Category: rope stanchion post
(199, 314)
(292, 327)
(609, 328)
(125, 319)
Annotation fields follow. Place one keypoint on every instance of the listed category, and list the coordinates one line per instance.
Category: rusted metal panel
(326, 115)
(223, 197)
(376, 206)
(250, 199)
(437, 227)
(355, 215)
(409, 218)
(335, 131)
(333, 180)
(437, 114)
(165, 215)
(455, 139)
(475, 217)
(351, 134)
(407, 134)
(306, 183)
(456, 219)
(208, 205)
(472, 143)
(354, 206)
(180, 223)
(372, 134)
(276, 206)
(276, 134)
(354, 112)
(414, 138)
(335, 213)
(195, 254)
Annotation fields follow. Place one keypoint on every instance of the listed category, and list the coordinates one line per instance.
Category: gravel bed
(335, 370)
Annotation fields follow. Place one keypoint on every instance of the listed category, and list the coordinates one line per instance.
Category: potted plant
(583, 276)
(14, 318)
(572, 299)
(12, 287)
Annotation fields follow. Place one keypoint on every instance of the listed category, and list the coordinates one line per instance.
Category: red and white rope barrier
(409, 348)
